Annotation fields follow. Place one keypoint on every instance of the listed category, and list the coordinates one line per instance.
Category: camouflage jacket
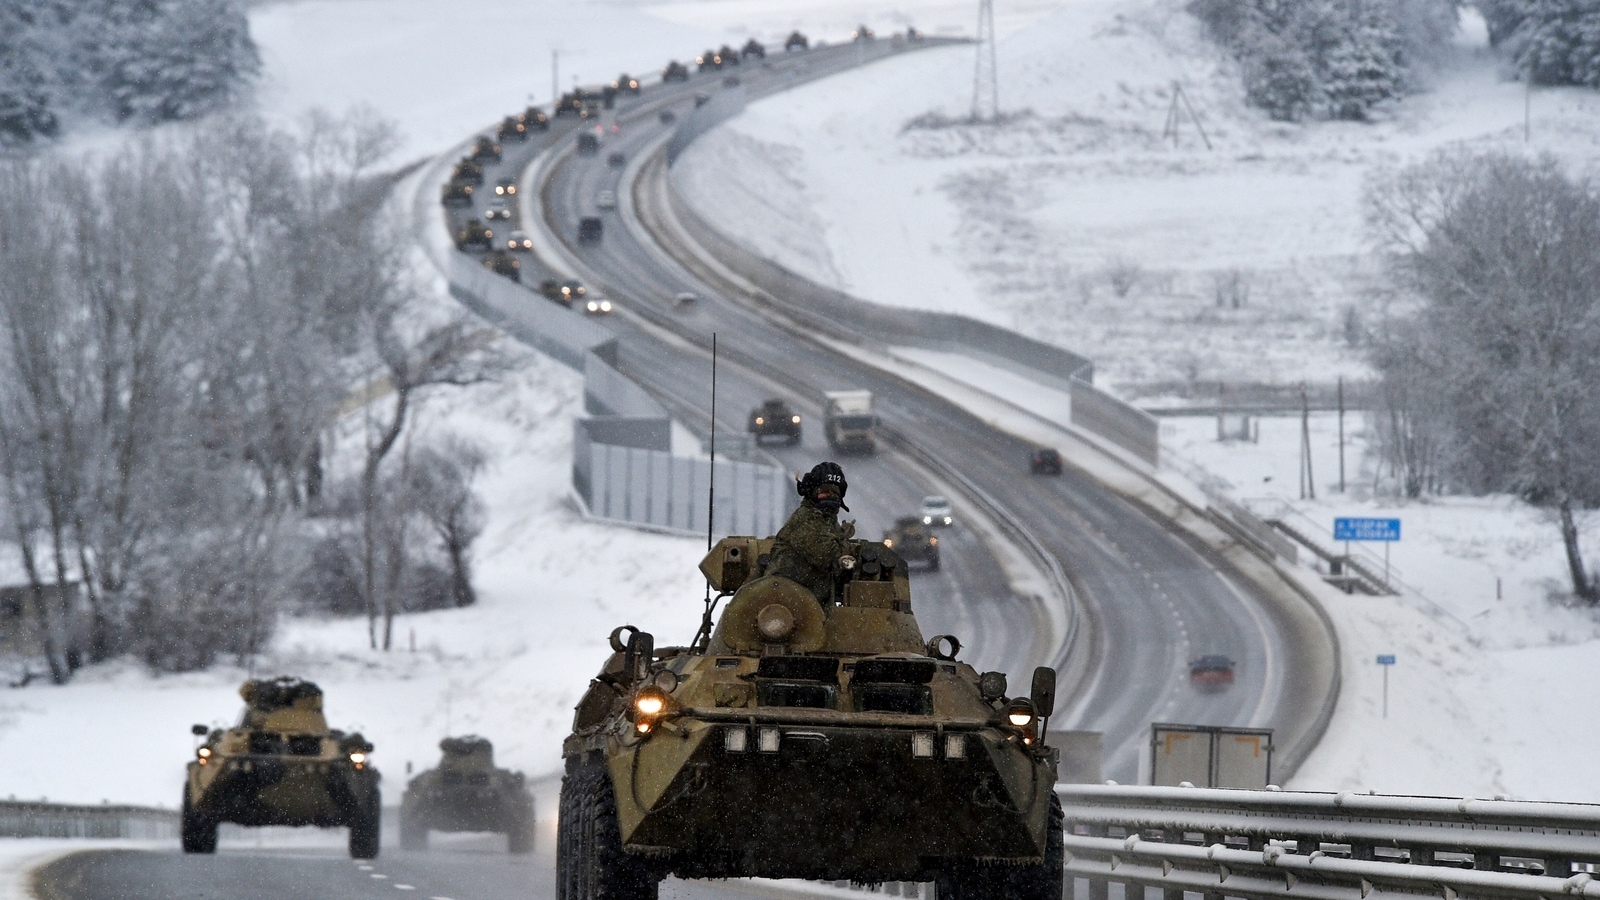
(806, 549)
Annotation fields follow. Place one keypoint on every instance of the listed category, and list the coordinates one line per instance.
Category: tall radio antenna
(703, 636)
(985, 81)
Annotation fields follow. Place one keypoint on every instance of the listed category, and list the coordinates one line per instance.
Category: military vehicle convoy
(802, 739)
(467, 793)
(914, 542)
(281, 765)
(774, 418)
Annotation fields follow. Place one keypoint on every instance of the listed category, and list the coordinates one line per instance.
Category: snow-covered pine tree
(1278, 78)
(175, 59)
(1362, 70)
(26, 97)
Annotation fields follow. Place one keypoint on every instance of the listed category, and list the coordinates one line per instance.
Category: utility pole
(1341, 434)
(1308, 482)
(555, 79)
(985, 80)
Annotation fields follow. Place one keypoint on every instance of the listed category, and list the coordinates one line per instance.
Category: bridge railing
(1344, 846)
(27, 818)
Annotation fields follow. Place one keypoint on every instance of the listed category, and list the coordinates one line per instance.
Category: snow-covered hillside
(1020, 225)
(1029, 223)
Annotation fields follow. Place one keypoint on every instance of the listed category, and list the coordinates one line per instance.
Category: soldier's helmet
(821, 474)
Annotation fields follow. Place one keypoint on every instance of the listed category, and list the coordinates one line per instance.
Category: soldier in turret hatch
(809, 545)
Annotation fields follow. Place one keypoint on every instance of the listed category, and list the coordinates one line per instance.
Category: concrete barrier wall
(40, 819)
(655, 488)
(527, 315)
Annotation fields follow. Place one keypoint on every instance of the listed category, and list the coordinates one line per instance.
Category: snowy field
(1018, 226)
(1026, 225)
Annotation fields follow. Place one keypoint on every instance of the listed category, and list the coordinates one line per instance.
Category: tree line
(1549, 41)
(1328, 58)
(1491, 379)
(185, 327)
(140, 61)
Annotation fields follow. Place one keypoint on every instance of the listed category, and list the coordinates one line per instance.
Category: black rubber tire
(600, 869)
(365, 830)
(933, 564)
(1041, 881)
(566, 826)
(413, 831)
(199, 832)
(519, 836)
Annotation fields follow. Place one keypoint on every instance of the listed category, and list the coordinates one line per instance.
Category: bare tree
(1505, 255)
(440, 481)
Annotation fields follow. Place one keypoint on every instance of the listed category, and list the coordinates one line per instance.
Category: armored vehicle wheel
(933, 564)
(1042, 881)
(596, 867)
(364, 830)
(519, 834)
(413, 831)
(199, 830)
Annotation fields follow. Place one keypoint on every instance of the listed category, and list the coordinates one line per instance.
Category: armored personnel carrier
(468, 170)
(808, 739)
(502, 263)
(512, 128)
(467, 793)
(774, 418)
(675, 71)
(914, 542)
(486, 148)
(281, 765)
(456, 193)
(474, 234)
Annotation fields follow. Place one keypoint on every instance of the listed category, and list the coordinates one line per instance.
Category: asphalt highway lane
(1155, 599)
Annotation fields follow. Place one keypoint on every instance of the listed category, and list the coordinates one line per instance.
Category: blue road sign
(1386, 660)
(1366, 529)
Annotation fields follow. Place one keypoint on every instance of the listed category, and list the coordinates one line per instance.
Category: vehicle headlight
(511, 189)
(203, 752)
(888, 542)
(651, 701)
(358, 757)
(933, 542)
(605, 306)
(595, 307)
(488, 232)
(927, 520)
(795, 420)
(760, 421)
(1020, 713)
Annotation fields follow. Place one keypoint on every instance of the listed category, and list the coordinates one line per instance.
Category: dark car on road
(590, 228)
(795, 41)
(774, 418)
(502, 263)
(1045, 461)
(667, 117)
(486, 148)
(562, 292)
(1211, 673)
(456, 193)
(617, 159)
(506, 186)
(468, 170)
(474, 234)
(914, 542)
(512, 128)
(535, 118)
(588, 143)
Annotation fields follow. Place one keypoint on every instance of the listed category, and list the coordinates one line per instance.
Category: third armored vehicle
(467, 793)
(914, 542)
(281, 765)
(774, 418)
(808, 739)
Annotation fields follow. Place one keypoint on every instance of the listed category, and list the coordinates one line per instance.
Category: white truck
(849, 422)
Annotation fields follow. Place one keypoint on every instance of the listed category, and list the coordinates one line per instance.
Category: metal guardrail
(1265, 845)
(25, 818)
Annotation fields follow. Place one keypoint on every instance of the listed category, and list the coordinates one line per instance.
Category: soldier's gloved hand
(849, 528)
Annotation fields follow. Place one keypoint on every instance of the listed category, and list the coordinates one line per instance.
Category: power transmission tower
(985, 83)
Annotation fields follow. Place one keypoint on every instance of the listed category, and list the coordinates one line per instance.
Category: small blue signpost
(1386, 660)
(1386, 531)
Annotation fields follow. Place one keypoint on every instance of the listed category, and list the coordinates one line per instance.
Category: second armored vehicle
(807, 739)
(281, 765)
(467, 793)
(914, 542)
(774, 418)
